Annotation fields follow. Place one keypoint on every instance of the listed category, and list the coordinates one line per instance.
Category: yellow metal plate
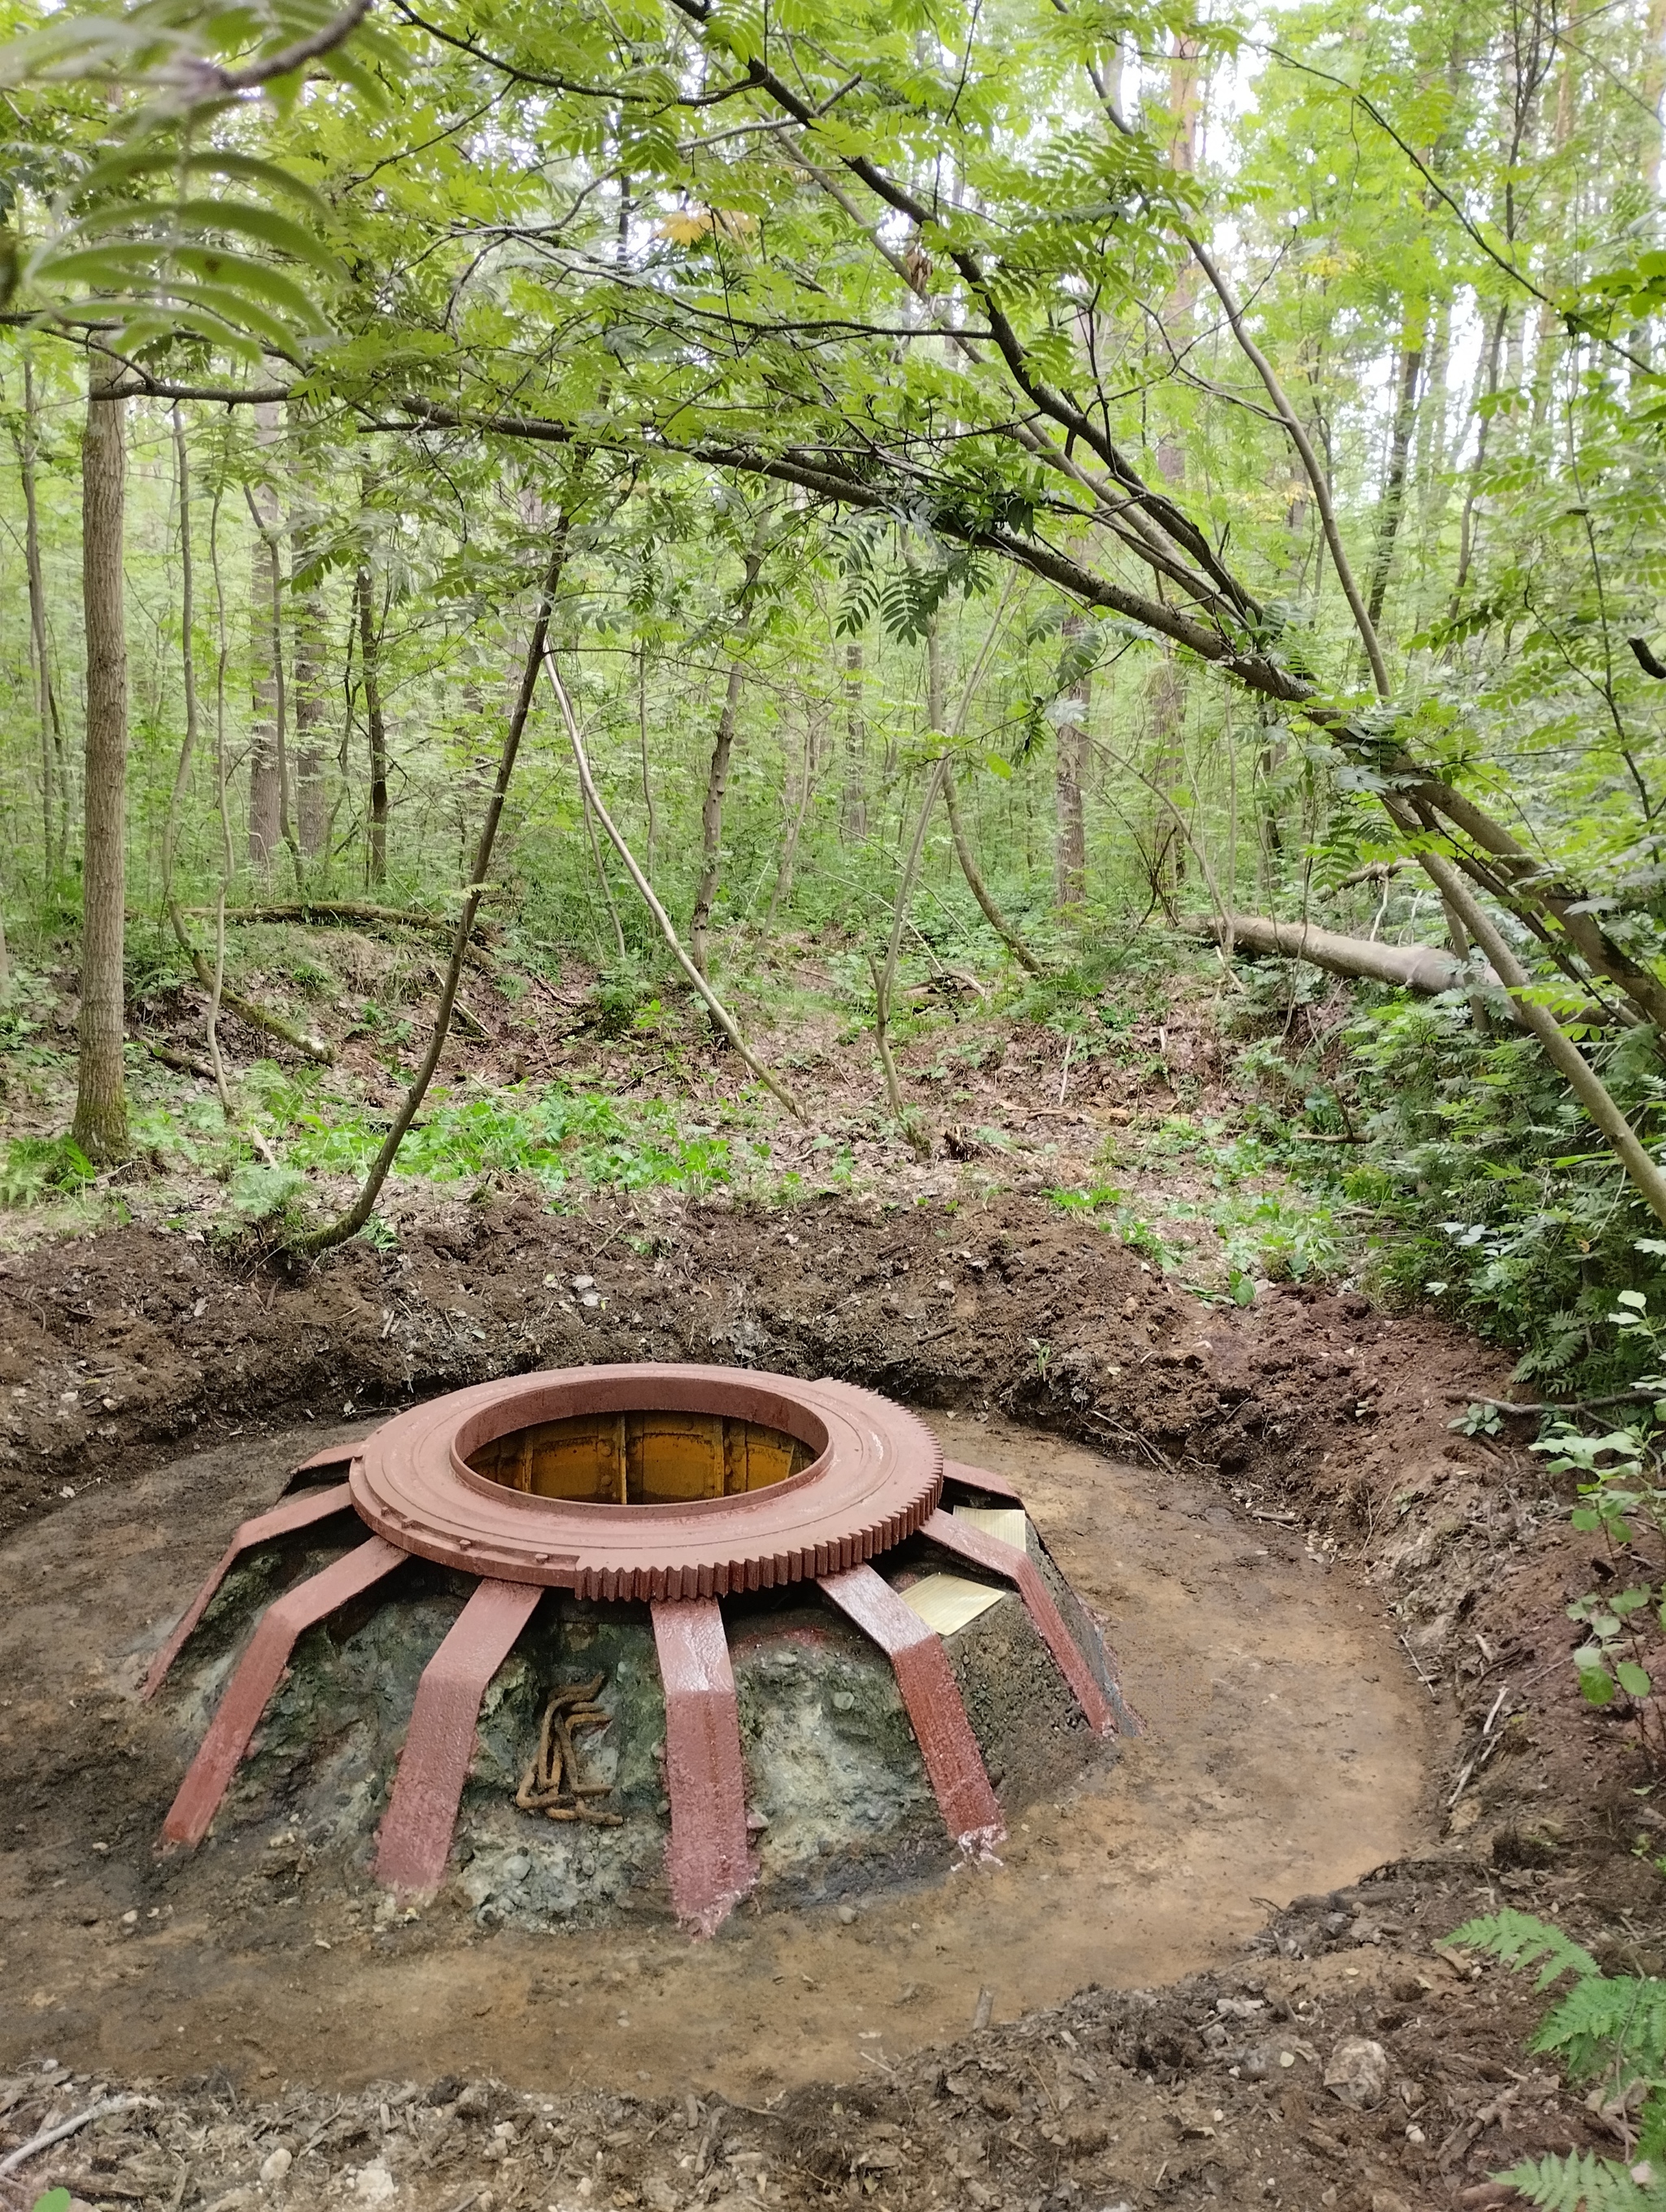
(1004, 1522)
(946, 1603)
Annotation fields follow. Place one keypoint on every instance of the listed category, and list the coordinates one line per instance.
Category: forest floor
(1269, 1499)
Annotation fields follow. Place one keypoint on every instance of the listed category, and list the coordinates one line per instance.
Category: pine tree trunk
(100, 1122)
(1070, 770)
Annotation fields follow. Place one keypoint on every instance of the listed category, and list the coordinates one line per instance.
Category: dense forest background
(999, 502)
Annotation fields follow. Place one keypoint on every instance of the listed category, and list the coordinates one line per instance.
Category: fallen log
(1425, 968)
(1422, 968)
(322, 912)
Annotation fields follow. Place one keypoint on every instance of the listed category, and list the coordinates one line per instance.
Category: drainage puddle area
(1287, 1747)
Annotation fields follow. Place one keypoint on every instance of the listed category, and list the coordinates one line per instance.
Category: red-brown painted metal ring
(876, 1475)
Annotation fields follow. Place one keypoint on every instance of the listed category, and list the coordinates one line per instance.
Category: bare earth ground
(1296, 1552)
(121, 1353)
(1246, 1782)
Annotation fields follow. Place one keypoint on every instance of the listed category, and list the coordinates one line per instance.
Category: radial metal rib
(1014, 1566)
(932, 1696)
(257, 1675)
(707, 1859)
(282, 1521)
(415, 1837)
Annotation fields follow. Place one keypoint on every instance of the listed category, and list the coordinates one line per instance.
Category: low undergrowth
(1607, 2030)
(1475, 1183)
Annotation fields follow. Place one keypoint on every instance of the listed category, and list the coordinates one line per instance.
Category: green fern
(1610, 2024)
(1581, 2182)
(1520, 1941)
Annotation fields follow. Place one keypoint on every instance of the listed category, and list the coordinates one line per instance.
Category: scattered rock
(1357, 2073)
(277, 2165)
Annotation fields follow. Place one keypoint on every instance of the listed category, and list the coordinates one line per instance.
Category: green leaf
(1521, 1940)
(1632, 1679)
(1580, 2182)
(148, 159)
(55, 2200)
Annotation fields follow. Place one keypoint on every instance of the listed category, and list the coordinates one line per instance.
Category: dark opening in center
(649, 1458)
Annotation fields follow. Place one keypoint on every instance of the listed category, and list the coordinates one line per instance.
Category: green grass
(562, 1138)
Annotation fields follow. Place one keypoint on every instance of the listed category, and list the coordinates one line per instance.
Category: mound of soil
(1306, 1415)
(139, 1339)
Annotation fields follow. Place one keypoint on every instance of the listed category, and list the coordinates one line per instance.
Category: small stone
(375, 2184)
(847, 1915)
(1357, 2073)
(591, 1299)
(583, 1282)
(130, 1919)
(517, 1867)
(275, 2165)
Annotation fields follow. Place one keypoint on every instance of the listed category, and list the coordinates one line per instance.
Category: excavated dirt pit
(1287, 1748)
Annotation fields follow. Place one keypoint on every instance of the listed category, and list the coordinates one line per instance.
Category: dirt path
(1250, 1782)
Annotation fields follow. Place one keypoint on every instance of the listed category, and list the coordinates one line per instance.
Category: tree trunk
(717, 780)
(187, 660)
(28, 438)
(1165, 857)
(1421, 968)
(359, 1213)
(265, 767)
(797, 814)
(100, 1122)
(853, 813)
(1472, 492)
(711, 819)
(312, 812)
(1070, 770)
(980, 890)
(376, 729)
(642, 747)
(1393, 488)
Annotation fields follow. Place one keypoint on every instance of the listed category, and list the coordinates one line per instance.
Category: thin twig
(1433, 1688)
(48, 2136)
(720, 1012)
